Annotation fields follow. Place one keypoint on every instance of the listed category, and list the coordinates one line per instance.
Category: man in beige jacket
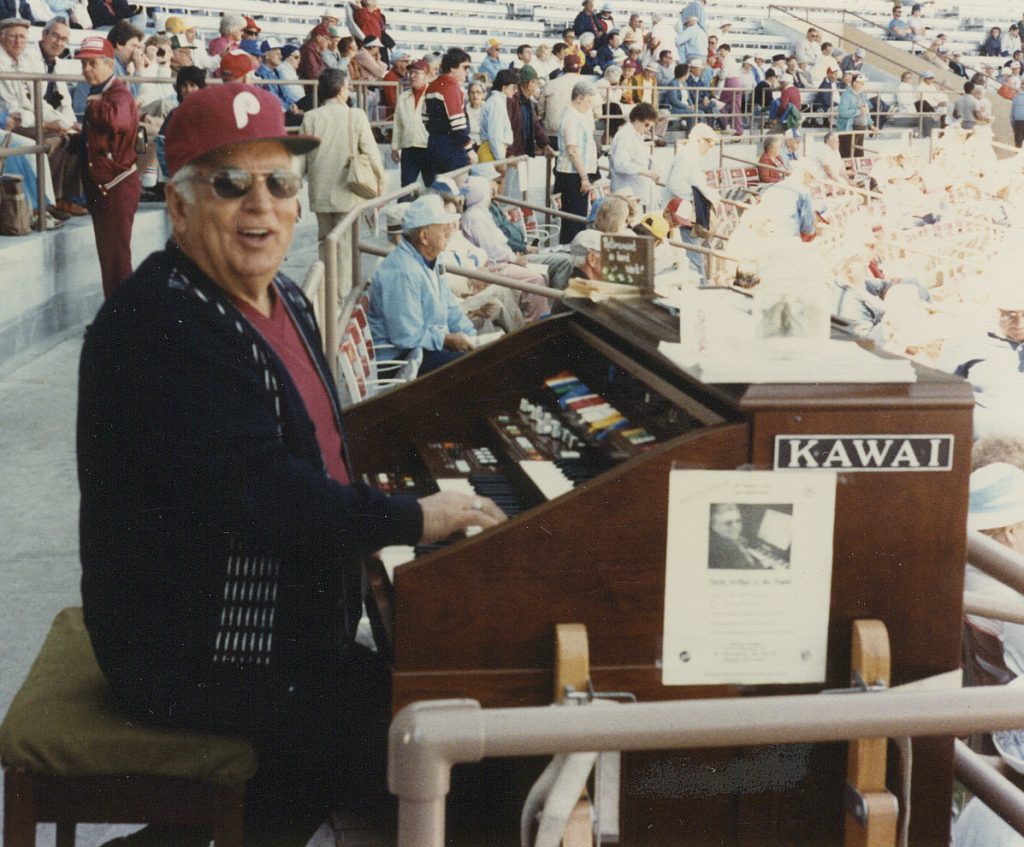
(343, 131)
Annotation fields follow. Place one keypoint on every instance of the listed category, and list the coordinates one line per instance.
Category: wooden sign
(628, 260)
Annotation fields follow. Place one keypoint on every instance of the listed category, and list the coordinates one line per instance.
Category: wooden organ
(586, 543)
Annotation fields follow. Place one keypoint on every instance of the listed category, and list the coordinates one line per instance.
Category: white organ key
(395, 555)
(548, 477)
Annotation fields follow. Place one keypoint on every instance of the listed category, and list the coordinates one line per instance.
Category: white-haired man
(221, 534)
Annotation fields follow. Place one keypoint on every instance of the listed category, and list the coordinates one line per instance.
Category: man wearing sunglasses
(448, 143)
(221, 537)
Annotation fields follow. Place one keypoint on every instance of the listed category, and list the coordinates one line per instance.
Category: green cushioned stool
(70, 757)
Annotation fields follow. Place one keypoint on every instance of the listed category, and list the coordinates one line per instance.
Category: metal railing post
(330, 259)
(41, 158)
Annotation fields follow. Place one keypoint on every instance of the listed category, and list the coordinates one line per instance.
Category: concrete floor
(39, 568)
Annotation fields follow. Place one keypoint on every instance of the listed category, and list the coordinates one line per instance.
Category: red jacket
(111, 121)
(389, 93)
(311, 63)
(370, 21)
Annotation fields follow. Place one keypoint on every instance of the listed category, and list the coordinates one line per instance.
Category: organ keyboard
(573, 425)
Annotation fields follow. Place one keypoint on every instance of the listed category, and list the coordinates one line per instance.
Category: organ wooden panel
(474, 618)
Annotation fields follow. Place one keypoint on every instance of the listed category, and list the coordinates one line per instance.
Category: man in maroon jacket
(110, 176)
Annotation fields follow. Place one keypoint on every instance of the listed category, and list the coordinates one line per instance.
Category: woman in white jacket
(632, 165)
(495, 126)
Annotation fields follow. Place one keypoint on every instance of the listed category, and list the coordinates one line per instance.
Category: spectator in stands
(791, 141)
(347, 49)
(188, 34)
(666, 71)
(1011, 40)
(1017, 118)
(685, 176)
(692, 41)
(232, 26)
(343, 132)
(576, 165)
(771, 166)
(311, 62)
(826, 159)
(368, 57)
(853, 61)
(993, 45)
(606, 101)
(372, 24)
(544, 62)
(524, 55)
(764, 94)
(289, 71)
(898, 28)
(809, 50)
(853, 118)
(242, 445)
(237, 66)
(410, 308)
(448, 144)
(106, 13)
(556, 96)
(572, 47)
(476, 96)
(478, 226)
(409, 135)
(270, 69)
(965, 109)
(679, 99)
(634, 30)
(586, 254)
(495, 128)
(528, 135)
(694, 9)
(631, 83)
(558, 57)
(58, 122)
(397, 75)
(110, 175)
(826, 99)
(589, 54)
(787, 111)
(957, 66)
(610, 52)
(333, 55)
(183, 54)
(698, 81)
(492, 62)
(586, 21)
(630, 163)
(188, 81)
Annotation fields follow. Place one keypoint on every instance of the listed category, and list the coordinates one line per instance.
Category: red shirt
(280, 333)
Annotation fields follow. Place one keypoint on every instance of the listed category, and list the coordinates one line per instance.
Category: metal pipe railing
(988, 785)
(427, 739)
(996, 560)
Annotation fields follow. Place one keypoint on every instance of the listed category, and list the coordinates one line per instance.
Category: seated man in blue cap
(410, 306)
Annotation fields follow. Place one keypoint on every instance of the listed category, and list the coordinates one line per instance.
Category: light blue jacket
(495, 127)
(410, 306)
(849, 105)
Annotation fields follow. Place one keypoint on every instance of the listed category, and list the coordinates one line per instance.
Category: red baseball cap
(672, 210)
(95, 47)
(571, 63)
(250, 23)
(221, 115)
(238, 63)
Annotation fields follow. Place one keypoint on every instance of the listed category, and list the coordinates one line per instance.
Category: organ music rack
(475, 618)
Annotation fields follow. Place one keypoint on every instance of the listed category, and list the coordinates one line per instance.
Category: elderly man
(686, 175)
(269, 69)
(58, 120)
(221, 538)
(577, 159)
(585, 251)
(110, 176)
(826, 161)
(398, 76)
(410, 307)
(343, 132)
(311, 62)
(556, 96)
(692, 41)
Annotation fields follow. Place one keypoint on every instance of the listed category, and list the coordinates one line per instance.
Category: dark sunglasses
(233, 183)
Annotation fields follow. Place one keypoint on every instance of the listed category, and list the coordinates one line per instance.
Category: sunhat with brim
(219, 116)
(996, 496)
